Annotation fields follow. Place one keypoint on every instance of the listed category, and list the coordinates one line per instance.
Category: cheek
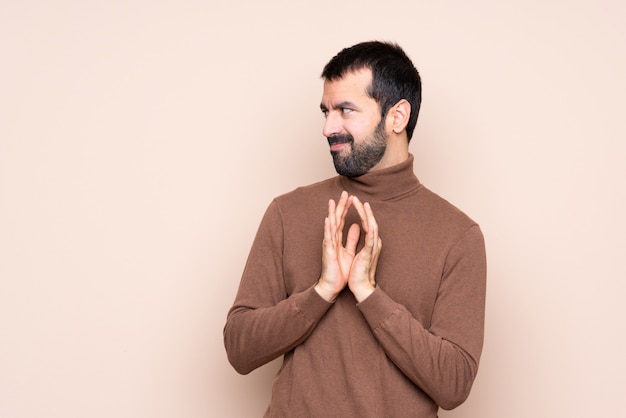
(361, 129)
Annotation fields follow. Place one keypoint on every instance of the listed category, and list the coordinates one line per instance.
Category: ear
(399, 114)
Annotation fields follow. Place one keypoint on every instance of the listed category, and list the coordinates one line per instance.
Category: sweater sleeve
(442, 360)
(264, 322)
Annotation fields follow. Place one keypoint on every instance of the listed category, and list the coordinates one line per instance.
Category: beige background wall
(140, 142)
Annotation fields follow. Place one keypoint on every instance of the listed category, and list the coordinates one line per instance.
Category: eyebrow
(339, 105)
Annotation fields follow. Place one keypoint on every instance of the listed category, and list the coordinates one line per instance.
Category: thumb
(353, 238)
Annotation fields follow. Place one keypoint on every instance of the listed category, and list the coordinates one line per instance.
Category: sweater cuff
(311, 304)
(377, 307)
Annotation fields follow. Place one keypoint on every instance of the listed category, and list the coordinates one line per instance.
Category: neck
(397, 151)
(383, 184)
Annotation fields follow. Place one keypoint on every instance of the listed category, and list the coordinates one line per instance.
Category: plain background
(141, 141)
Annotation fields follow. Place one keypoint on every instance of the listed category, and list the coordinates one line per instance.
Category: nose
(332, 125)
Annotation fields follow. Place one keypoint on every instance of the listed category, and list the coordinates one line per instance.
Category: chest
(410, 266)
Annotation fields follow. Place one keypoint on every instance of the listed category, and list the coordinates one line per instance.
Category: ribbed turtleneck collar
(385, 184)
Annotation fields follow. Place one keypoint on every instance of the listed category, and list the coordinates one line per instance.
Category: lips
(340, 139)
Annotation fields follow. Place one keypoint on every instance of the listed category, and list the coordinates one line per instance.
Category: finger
(342, 209)
(371, 220)
(376, 252)
(369, 226)
(332, 223)
(372, 227)
(331, 207)
(341, 203)
(327, 234)
(368, 221)
(329, 237)
(345, 201)
(374, 263)
(361, 211)
(353, 238)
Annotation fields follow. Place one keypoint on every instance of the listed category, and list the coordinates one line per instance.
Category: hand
(341, 265)
(336, 259)
(362, 277)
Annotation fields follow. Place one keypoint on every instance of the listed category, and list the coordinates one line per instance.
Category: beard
(359, 158)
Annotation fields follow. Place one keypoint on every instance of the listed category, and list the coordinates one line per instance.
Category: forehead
(351, 87)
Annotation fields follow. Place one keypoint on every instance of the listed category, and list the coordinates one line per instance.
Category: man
(366, 329)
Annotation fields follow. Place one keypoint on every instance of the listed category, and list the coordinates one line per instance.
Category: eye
(346, 110)
(325, 112)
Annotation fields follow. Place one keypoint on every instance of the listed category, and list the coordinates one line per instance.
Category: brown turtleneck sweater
(413, 345)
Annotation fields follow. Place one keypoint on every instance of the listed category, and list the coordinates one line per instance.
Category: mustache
(340, 139)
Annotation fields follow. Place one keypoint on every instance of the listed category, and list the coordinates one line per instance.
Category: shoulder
(312, 195)
(441, 212)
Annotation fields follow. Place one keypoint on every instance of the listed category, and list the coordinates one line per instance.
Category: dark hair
(394, 77)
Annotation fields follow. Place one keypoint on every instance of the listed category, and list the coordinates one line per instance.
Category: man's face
(354, 127)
